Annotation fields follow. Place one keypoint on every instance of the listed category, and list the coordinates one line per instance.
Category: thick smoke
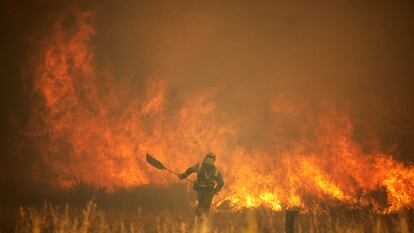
(104, 82)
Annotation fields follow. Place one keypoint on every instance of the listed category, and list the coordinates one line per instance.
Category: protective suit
(209, 182)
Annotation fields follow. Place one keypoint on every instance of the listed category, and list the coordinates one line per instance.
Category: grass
(91, 218)
(155, 209)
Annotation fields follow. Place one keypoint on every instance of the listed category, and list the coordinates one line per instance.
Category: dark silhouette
(209, 182)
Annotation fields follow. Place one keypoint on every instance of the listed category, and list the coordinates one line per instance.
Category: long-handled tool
(157, 164)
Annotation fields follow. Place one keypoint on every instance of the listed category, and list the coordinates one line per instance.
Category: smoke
(268, 85)
(343, 54)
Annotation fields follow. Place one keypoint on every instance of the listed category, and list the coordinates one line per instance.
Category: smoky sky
(359, 54)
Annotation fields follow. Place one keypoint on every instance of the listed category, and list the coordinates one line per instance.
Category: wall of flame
(90, 124)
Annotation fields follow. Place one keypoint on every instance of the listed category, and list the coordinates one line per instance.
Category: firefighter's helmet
(209, 158)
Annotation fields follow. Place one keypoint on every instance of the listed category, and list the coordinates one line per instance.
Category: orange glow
(94, 127)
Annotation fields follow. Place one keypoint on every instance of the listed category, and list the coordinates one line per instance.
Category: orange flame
(97, 129)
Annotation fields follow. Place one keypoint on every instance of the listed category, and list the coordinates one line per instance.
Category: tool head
(151, 160)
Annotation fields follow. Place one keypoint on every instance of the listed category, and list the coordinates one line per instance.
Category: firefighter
(209, 182)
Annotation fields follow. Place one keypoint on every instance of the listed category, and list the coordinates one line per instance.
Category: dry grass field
(62, 219)
(152, 209)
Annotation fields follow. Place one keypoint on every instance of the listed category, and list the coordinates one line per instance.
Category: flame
(87, 124)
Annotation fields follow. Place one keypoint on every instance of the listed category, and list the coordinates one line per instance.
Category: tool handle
(178, 174)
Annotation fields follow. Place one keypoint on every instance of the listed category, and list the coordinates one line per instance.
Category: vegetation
(168, 210)
(92, 219)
